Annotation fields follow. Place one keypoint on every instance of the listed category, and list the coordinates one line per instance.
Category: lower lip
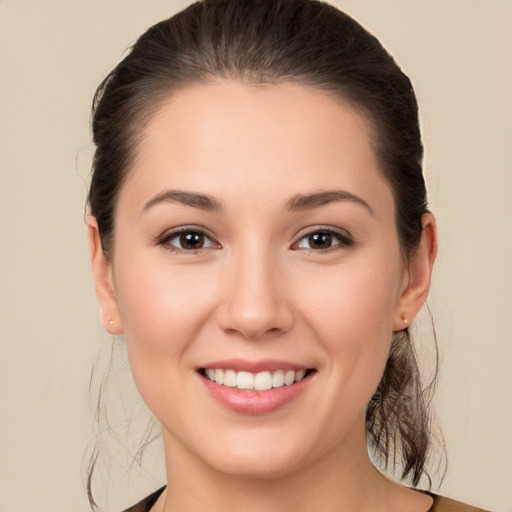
(255, 402)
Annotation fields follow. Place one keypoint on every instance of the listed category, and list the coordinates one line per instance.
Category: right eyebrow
(201, 201)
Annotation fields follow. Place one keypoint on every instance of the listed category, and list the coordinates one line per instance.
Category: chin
(257, 455)
(257, 467)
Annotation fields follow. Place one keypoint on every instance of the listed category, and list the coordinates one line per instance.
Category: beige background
(52, 55)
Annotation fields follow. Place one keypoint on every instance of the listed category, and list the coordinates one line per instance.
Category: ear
(416, 283)
(103, 280)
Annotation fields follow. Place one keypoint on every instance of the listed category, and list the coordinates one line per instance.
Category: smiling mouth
(261, 381)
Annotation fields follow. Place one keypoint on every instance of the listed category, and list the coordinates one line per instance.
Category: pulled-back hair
(275, 41)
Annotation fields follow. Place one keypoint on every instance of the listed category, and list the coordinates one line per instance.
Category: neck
(343, 479)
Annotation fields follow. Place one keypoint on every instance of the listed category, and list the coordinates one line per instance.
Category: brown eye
(192, 240)
(323, 240)
(320, 240)
(187, 240)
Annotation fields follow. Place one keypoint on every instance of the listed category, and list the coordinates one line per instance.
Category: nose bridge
(255, 301)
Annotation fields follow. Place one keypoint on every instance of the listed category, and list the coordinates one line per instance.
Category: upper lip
(261, 365)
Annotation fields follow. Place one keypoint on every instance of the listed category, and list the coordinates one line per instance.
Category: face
(257, 275)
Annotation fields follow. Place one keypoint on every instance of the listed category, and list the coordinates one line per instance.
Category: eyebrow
(310, 201)
(201, 201)
(297, 203)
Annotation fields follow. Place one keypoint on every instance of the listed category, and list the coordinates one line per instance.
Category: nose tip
(255, 304)
(255, 325)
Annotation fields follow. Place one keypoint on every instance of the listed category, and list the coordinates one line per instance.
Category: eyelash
(165, 239)
(344, 240)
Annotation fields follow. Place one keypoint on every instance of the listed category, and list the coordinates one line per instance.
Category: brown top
(441, 504)
(146, 504)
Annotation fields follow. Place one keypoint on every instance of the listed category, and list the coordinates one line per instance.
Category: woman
(259, 232)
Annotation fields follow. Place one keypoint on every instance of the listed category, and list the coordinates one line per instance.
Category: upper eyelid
(174, 232)
(323, 228)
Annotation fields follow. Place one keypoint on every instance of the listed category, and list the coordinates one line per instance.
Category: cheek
(353, 302)
(352, 310)
(162, 308)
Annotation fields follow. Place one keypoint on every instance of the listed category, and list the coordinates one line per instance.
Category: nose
(254, 301)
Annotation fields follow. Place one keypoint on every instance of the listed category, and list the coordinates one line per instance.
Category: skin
(257, 289)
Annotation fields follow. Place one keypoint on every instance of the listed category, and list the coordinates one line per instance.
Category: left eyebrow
(308, 202)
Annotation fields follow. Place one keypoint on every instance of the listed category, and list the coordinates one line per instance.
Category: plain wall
(52, 56)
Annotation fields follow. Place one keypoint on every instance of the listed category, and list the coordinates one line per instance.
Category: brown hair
(271, 41)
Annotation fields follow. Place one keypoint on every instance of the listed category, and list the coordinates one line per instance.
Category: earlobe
(103, 280)
(417, 284)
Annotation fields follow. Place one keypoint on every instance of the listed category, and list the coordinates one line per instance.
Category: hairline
(142, 115)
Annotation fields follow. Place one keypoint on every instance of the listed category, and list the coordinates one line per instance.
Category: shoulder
(442, 504)
(146, 504)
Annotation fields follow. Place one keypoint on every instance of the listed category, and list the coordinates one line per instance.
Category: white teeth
(262, 381)
(299, 375)
(230, 378)
(219, 376)
(278, 379)
(289, 377)
(245, 380)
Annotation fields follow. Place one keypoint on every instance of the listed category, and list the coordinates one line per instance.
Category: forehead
(231, 138)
